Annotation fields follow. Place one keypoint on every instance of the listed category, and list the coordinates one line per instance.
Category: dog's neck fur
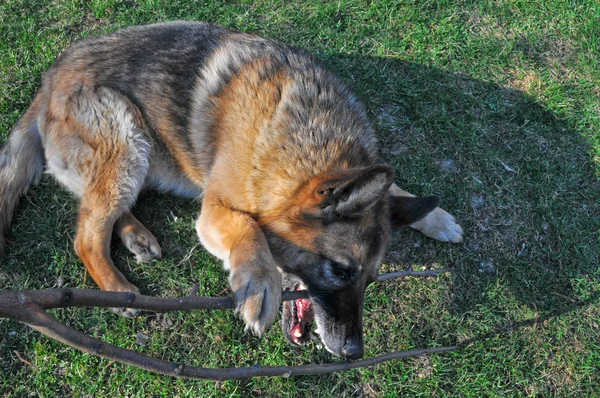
(248, 118)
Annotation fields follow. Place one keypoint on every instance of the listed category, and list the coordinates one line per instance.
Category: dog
(278, 148)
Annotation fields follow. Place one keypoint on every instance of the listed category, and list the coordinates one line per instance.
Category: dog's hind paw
(257, 294)
(142, 244)
(440, 225)
(137, 238)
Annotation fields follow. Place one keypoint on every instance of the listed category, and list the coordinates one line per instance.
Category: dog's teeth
(298, 333)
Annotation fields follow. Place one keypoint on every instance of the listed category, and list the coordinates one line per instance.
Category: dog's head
(331, 240)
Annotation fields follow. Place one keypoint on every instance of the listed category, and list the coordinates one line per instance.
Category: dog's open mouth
(298, 316)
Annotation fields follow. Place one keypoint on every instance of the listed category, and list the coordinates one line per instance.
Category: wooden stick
(66, 297)
(29, 307)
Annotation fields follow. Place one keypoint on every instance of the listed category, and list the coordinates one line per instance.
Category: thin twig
(26, 362)
(188, 255)
(65, 298)
(194, 290)
(410, 272)
(562, 296)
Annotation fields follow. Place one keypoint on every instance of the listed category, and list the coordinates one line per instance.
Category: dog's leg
(237, 239)
(108, 192)
(96, 149)
(137, 238)
(439, 224)
(92, 244)
(107, 196)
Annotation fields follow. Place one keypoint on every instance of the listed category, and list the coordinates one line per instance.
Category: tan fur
(238, 240)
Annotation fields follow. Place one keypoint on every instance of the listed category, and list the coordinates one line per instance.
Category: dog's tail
(21, 164)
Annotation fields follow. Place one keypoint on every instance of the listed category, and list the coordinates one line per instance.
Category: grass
(493, 105)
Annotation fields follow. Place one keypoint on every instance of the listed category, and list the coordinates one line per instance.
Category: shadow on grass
(519, 180)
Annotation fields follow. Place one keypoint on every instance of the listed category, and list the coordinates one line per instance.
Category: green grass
(457, 90)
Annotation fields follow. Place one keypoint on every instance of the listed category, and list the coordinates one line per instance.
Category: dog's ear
(405, 210)
(348, 193)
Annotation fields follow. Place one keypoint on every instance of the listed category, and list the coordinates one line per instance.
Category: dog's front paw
(257, 294)
(440, 225)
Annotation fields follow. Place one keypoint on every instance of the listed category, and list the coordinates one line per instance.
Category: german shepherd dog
(279, 150)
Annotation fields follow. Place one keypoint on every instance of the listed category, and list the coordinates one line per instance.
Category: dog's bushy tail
(21, 164)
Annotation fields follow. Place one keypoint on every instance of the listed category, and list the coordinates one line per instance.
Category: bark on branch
(29, 307)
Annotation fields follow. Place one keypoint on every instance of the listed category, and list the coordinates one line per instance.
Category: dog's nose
(354, 347)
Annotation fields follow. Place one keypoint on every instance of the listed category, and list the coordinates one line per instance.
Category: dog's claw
(440, 225)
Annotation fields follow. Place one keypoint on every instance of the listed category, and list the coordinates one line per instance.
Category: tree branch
(64, 298)
(29, 307)
(46, 324)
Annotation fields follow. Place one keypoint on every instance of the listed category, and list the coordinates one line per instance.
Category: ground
(493, 105)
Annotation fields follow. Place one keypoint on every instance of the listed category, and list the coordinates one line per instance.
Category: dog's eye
(338, 269)
(341, 271)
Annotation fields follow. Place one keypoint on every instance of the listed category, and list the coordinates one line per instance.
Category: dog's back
(182, 78)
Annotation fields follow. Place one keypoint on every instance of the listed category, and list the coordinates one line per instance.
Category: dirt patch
(487, 266)
(555, 53)
(530, 81)
(391, 117)
(370, 390)
(448, 166)
(486, 25)
(425, 366)
(557, 375)
(477, 201)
